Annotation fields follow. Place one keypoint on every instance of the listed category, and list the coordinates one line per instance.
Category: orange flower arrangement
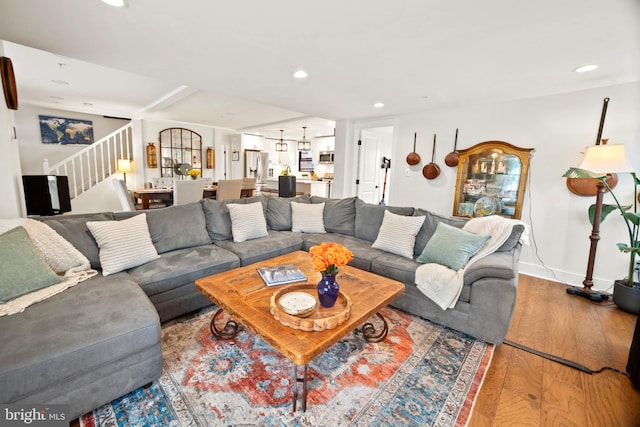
(327, 257)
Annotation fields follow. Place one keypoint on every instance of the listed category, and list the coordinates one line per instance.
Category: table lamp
(124, 166)
(599, 160)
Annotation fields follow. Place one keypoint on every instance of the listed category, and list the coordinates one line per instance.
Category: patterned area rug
(422, 375)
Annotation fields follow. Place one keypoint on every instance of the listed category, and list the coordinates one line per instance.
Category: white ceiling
(230, 64)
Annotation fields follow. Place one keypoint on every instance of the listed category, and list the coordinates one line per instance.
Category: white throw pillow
(247, 221)
(307, 217)
(123, 244)
(398, 233)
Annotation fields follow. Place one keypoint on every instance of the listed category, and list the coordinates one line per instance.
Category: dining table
(146, 195)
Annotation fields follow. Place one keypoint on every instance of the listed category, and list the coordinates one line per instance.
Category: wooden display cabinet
(180, 150)
(491, 180)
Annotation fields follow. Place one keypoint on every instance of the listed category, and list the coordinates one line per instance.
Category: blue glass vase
(328, 290)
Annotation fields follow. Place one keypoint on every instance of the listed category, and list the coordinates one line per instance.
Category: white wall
(33, 151)
(12, 205)
(559, 128)
(151, 133)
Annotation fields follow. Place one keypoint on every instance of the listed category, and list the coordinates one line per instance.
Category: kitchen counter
(314, 187)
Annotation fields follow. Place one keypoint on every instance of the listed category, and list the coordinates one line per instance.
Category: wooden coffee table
(242, 294)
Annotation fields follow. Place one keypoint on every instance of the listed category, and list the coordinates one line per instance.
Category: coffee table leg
(369, 331)
(229, 331)
(297, 380)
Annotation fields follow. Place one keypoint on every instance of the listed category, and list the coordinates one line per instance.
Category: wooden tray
(321, 319)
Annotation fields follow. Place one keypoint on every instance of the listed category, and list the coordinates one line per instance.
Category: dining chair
(187, 191)
(248, 186)
(229, 189)
(124, 196)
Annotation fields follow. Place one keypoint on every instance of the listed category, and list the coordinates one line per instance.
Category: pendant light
(303, 144)
(281, 146)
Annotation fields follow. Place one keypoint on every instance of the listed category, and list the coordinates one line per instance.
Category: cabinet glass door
(491, 180)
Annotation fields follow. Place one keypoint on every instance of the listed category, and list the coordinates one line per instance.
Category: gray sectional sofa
(101, 339)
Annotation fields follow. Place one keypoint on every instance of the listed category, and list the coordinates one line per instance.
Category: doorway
(374, 161)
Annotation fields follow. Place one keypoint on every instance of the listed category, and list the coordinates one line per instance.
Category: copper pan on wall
(413, 158)
(431, 170)
(451, 159)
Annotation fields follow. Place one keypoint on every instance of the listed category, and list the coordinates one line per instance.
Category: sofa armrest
(498, 265)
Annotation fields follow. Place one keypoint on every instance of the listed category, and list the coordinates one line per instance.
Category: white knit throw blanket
(58, 253)
(443, 285)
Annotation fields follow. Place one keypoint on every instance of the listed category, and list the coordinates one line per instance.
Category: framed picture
(58, 130)
(235, 155)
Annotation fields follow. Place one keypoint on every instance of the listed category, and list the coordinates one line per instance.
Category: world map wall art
(57, 130)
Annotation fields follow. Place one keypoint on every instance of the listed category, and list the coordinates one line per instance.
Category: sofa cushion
(451, 247)
(175, 227)
(218, 219)
(395, 267)
(307, 218)
(279, 211)
(363, 253)
(72, 335)
(123, 244)
(247, 221)
(276, 243)
(339, 214)
(182, 266)
(431, 221)
(74, 229)
(398, 234)
(22, 270)
(369, 218)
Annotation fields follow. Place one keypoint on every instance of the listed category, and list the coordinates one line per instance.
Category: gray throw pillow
(175, 227)
(339, 214)
(22, 270)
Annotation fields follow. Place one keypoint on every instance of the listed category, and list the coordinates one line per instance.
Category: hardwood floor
(523, 389)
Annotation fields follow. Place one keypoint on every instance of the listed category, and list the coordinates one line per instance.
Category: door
(369, 167)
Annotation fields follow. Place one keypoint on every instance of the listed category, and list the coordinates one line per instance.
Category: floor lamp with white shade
(599, 160)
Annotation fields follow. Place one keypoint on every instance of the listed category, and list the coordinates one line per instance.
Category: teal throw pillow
(22, 270)
(451, 247)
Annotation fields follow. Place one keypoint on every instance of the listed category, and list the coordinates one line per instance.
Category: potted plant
(626, 292)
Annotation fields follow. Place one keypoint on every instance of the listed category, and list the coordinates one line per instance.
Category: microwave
(325, 157)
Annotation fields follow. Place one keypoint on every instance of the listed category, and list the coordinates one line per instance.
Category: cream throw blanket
(443, 285)
(57, 252)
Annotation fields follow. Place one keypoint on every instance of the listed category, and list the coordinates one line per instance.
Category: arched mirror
(180, 151)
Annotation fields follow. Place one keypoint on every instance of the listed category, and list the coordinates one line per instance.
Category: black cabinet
(287, 186)
(46, 194)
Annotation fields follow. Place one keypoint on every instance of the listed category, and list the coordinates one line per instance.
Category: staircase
(95, 163)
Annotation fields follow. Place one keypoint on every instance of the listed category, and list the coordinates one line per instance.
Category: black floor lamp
(599, 160)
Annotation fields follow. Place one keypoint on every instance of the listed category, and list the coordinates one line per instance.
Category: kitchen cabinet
(491, 180)
(180, 151)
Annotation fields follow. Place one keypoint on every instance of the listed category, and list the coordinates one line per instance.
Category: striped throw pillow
(307, 218)
(247, 221)
(398, 233)
(123, 244)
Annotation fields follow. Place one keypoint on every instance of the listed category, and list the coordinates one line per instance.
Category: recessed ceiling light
(60, 82)
(115, 3)
(378, 105)
(585, 68)
(300, 74)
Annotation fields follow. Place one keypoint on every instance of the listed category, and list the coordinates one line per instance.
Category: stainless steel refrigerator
(256, 165)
